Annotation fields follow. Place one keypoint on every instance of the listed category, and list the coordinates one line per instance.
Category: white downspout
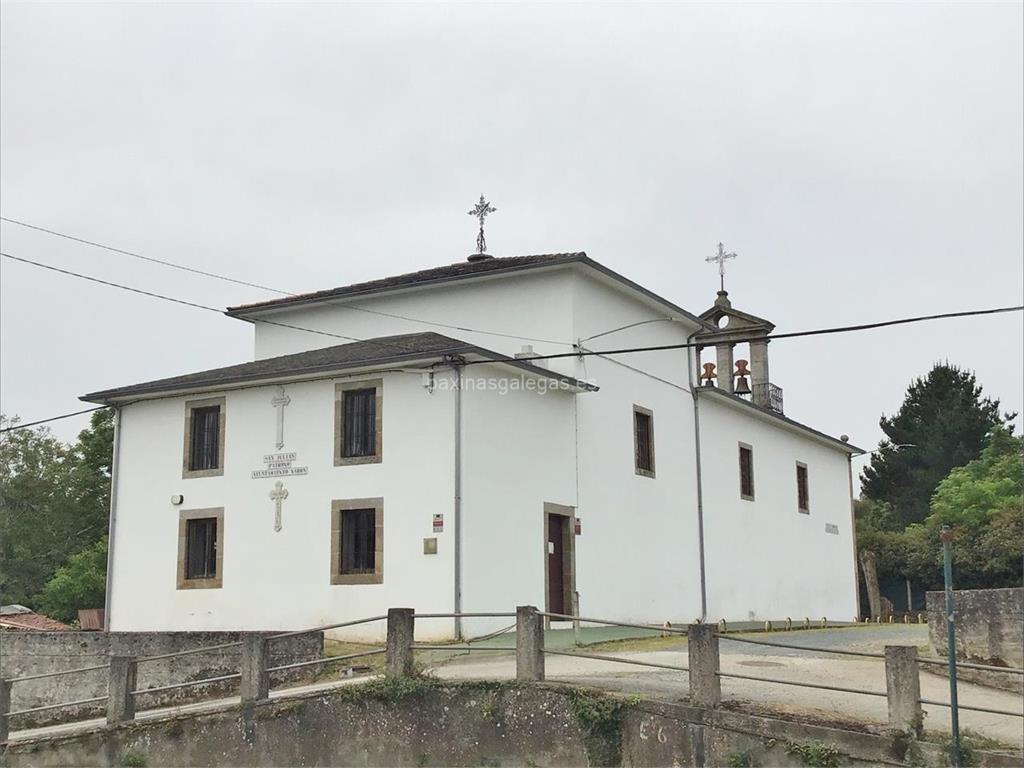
(114, 462)
(457, 512)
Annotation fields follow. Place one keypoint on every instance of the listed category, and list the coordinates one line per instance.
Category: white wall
(637, 558)
(638, 555)
(281, 580)
(765, 560)
(518, 452)
(533, 304)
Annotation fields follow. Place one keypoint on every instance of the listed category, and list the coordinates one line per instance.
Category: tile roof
(459, 271)
(448, 272)
(31, 621)
(385, 350)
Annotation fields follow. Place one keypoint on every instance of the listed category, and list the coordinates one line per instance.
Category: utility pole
(947, 572)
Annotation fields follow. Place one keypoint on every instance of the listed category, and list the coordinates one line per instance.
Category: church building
(453, 440)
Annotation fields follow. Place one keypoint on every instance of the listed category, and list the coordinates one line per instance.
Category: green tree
(34, 512)
(80, 583)
(983, 502)
(946, 420)
(54, 502)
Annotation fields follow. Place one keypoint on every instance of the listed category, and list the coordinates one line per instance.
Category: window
(358, 421)
(357, 535)
(357, 541)
(746, 472)
(803, 499)
(643, 441)
(204, 438)
(200, 548)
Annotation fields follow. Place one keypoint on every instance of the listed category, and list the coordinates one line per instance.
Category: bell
(742, 386)
(709, 375)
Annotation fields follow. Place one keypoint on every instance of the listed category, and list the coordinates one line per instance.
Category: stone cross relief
(278, 495)
(279, 401)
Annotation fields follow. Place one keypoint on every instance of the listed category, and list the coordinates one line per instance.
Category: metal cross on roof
(721, 258)
(480, 210)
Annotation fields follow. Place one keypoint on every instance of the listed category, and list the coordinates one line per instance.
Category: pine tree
(943, 421)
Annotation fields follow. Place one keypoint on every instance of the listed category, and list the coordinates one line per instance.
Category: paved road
(818, 667)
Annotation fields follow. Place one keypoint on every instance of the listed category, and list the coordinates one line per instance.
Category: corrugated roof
(385, 350)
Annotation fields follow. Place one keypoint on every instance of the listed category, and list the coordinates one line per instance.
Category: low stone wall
(420, 722)
(31, 653)
(989, 625)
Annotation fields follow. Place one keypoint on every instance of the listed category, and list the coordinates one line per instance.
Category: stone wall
(989, 625)
(31, 653)
(419, 722)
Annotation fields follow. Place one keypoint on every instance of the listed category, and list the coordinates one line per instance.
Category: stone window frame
(568, 552)
(807, 488)
(636, 442)
(339, 418)
(191, 405)
(753, 486)
(198, 514)
(337, 507)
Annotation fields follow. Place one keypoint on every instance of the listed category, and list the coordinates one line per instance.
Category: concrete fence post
(5, 708)
(120, 684)
(903, 687)
(398, 657)
(705, 685)
(255, 682)
(529, 644)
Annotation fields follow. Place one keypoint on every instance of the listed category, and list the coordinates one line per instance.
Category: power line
(134, 255)
(181, 301)
(791, 335)
(225, 278)
(52, 418)
(580, 353)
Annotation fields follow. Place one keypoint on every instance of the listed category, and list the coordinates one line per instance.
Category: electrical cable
(225, 278)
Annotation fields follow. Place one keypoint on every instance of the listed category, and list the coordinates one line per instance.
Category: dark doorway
(556, 564)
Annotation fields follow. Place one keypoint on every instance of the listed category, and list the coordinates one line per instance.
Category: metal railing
(703, 664)
(904, 710)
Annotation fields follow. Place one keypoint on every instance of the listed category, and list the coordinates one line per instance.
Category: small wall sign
(832, 528)
(279, 465)
(438, 523)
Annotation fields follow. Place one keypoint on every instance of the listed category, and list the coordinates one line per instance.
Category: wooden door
(556, 564)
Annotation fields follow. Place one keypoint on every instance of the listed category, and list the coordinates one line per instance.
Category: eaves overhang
(306, 366)
(492, 268)
(717, 395)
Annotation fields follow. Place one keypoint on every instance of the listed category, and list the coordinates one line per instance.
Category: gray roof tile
(385, 350)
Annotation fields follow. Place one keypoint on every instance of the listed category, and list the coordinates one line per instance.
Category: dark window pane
(746, 472)
(204, 453)
(201, 548)
(360, 418)
(644, 449)
(803, 500)
(358, 539)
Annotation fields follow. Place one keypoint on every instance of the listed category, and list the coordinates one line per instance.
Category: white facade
(505, 455)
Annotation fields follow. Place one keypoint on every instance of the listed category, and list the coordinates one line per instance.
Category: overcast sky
(865, 161)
